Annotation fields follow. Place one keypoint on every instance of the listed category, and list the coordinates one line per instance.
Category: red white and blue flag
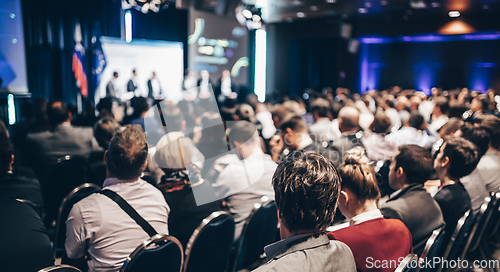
(78, 68)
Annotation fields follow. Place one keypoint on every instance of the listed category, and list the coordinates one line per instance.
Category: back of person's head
(479, 136)
(381, 123)
(349, 117)
(104, 131)
(40, 107)
(335, 107)
(176, 154)
(292, 106)
(105, 104)
(6, 152)
(280, 112)
(172, 116)
(416, 162)
(357, 176)
(483, 101)
(141, 105)
(243, 132)
(306, 192)
(294, 122)
(463, 156)
(416, 120)
(127, 153)
(442, 103)
(451, 126)
(58, 112)
(244, 112)
(492, 124)
(321, 107)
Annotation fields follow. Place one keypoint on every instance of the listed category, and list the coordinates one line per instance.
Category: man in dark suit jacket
(43, 149)
(409, 170)
(132, 85)
(154, 87)
(15, 186)
(304, 245)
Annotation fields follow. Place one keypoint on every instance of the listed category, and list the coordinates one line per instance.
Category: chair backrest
(409, 264)
(160, 253)
(209, 247)
(494, 222)
(432, 248)
(458, 238)
(479, 226)
(68, 173)
(258, 232)
(71, 199)
(60, 268)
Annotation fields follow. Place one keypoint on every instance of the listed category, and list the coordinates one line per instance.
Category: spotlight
(145, 5)
(249, 16)
(454, 14)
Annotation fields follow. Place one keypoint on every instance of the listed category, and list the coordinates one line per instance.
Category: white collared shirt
(363, 217)
(110, 234)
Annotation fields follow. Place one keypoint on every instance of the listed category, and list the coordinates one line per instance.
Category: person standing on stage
(132, 84)
(111, 90)
(154, 87)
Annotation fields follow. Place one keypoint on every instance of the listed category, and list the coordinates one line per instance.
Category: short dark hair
(442, 103)
(58, 112)
(127, 153)
(115, 74)
(416, 120)
(245, 112)
(242, 131)
(359, 178)
(321, 106)
(141, 105)
(6, 152)
(416, 162)
(451, 126)
(295, 123)
(279, 111)
(463, 156)
(483, 99)
(492, 124)
(306, 191)
(479, 136)
(381, 122)
(104, 131)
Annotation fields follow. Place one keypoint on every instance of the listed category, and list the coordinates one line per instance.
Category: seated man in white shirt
(98, 226)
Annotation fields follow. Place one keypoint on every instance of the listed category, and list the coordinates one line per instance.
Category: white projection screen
(145, 56)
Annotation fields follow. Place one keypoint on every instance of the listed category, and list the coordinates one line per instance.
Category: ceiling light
(362, 10)
(454, 14)
(300, 14)
(313, 8)
(331, 1)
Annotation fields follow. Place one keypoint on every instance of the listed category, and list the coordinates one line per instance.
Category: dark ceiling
(289, 10)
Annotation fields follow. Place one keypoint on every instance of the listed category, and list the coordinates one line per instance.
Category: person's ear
(445, 161)
(289, 131)
(399, 172)
(183, 125)
(344, 197)
(70, 116)
(12, 159)
(105, 157)
(146, 166)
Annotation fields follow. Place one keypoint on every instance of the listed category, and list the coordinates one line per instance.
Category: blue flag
(98, 62)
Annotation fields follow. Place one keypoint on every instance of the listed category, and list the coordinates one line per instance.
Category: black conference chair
(431, 249)
(209, 247)
(479, 226)
(258, 232)
(160, 253)
(451, 249)
(68, 173)
(71, 199)
(60, 268)
(409, 264)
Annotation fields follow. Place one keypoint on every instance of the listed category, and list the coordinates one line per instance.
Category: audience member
(321, 130)
(351, 132)
(26, 244)
(439, 113)
(456, 159)
(415, 131)
(410, 168)
(12, 185)
(304, 245)
(243, 182)
(98, 226)
(181, 178)
(489, 165)
(378, 148)
(368, 235)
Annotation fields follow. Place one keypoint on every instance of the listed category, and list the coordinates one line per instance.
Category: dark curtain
(49, 28)
(313, 64)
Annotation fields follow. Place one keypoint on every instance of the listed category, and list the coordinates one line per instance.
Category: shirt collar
(273, 248)
(363, 217)
(113, 181)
